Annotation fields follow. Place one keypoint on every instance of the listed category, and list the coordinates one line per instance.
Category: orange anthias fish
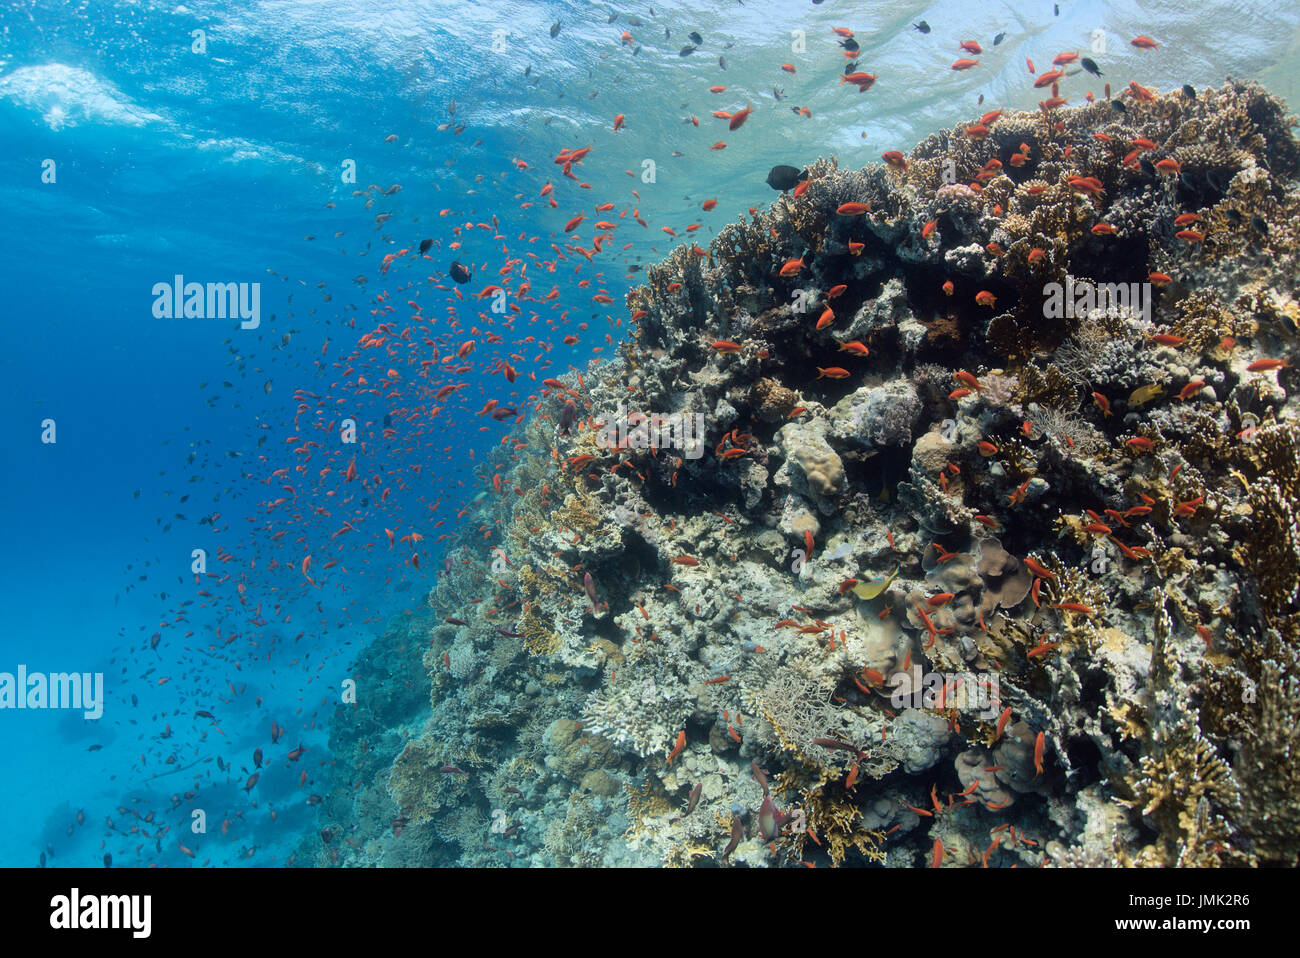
(738, 118)
(677, 747)
(1002, 723)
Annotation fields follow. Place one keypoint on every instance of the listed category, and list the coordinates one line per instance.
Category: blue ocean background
(217, 165)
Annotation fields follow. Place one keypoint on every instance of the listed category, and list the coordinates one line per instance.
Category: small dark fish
(612, 18)
(459, 272)
(1189, 91)
(1148, 167)
(1091, 66)
(922, 26)
(1259, 224)
(568, 416)
(722, 62)
(848, 43)
(108, 859)
(850, 67)
(686, 51)
(94, 748)
(633, 22)
(1056, 9)
(782, 178)
(266, 387)
(1118, 105)
(999, 38)
(778, 93)
(555, 28)
(203, 713)
(425, 244)
(1233, 214)
(696, 38)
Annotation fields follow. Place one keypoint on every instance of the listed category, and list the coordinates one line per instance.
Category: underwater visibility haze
(763, 433)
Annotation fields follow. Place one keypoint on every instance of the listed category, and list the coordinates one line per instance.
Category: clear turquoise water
(217, 164)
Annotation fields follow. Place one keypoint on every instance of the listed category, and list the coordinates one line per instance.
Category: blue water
(217, 165)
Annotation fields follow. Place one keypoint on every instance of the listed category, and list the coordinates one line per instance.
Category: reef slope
(1090, 538)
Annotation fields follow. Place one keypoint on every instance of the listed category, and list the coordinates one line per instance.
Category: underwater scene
(738, 433)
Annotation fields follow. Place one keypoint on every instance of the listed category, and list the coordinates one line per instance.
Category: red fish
(738, 119)
(677, 747)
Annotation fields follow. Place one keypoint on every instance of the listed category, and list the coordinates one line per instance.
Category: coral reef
(1008, 551)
